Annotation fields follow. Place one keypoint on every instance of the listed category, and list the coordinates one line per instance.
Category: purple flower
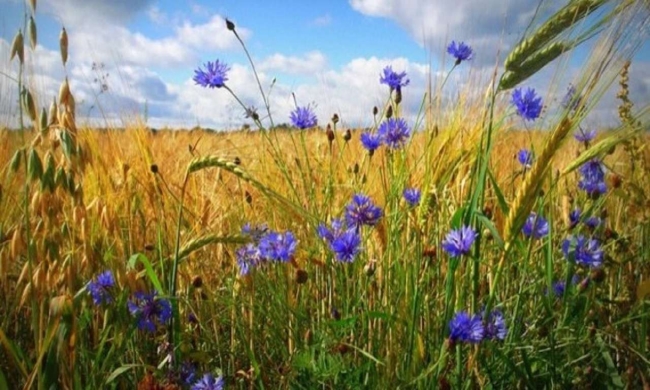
(346, 245)
(370, 141)
(247, 257)
(394, 132)
(255, 232)
(459, 242)
(495, 325)
(585, 136)
(329, 234)
(525, 158)
(187, 372)
(528, 104)
(362, 211)
(392, 79)
(559, 287)
(593, 222)
(277, 246)
(100, 289)
(535, 226)
(149, 311)
(583, 251)
(215, 75)
(592, 178)
(303, 118)
(461, 52)
(412, 196)
(574, 217)
(465, 328)
(569, 101)
(208, 382)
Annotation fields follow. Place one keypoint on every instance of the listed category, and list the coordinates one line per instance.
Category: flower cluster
(100, 289)
(585, 136)
(343, 241)
(208, 382)
(584, 251)
(474, 329)
(412, 196)
(394, 80)
(592, 178)
(528, 104)
(149, 310)
(459, 242)
(266, 245)
(525, 158)
(393, 132)
(214, 75)
(535, 226)
(460, 51)
(303, 118)
(362, 211)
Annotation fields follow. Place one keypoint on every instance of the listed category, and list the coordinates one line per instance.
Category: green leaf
(493, 230)
(121, 370)
(148, 270)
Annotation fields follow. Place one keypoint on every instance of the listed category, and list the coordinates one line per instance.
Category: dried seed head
(301, 276)
(616, 181)
(230, 25)
(197, 282)
(335, 118)
(430, 252)
(237, 161)
(398, 96)
(389, 112)
(375, 111)
(64, 92)
(154, 168)
(63, 45)
(330, 134)
(347, 136)
(248, 197)
(17, 47)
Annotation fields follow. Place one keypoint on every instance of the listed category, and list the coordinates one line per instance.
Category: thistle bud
(389, 112)
(335, 118)
(398, 96)
(17, 47)
(154, 168)
(347, 136)
(330, 134)
(230, 25)
(197, 282)
(237, 161)
(375, 111)
(63, 46)
(248, 197)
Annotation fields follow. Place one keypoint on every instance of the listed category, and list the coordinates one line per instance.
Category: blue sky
(329, 53)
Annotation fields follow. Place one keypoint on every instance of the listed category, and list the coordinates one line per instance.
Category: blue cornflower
(394, 132)
(528, 104)
(412, 196)
(592, 178)
(329, 235)
(208, 382)
(303, 118)
(569, 101)
(458, 242)
(393, 79)
(584, 251)
(593, 222)
(585, 136)
(248, 256)
(149, 311)
(370, 141)
(255, 232)
(574, 217)
(465, 328)
(495, 325)
(187, 372)
(100, 289)
(535, 226)
(362, 211)
(346, 245)
(277, 246)
(461, 52)
(560, 286)
(215, 75)
(525, 158)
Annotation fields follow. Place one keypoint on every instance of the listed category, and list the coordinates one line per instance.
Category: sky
(131, 57)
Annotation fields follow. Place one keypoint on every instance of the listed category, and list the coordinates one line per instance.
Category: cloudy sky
(126, 55)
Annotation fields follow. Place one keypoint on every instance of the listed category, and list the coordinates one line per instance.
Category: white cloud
(310, 63)
(322, 21)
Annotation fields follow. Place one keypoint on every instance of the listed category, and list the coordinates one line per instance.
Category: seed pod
(347, 136)
(64, 92)
(17, 47)
(389, 112)
(230, 25)
(34, 166)
(43, 120)
(15, 161)
(63, 45)
(28, 104)
(33, 36)
(53, 114)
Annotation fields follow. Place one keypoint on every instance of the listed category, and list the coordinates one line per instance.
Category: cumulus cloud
(310, 63)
